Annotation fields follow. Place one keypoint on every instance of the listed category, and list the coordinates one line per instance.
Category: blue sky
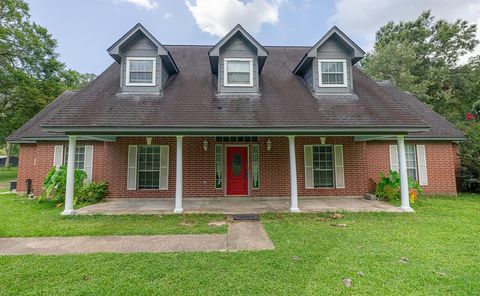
(85, 29)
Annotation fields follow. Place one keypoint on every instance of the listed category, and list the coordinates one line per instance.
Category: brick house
(238, 119)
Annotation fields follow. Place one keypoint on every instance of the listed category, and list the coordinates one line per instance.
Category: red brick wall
(36, 160)
(441, 164)
(362, 163)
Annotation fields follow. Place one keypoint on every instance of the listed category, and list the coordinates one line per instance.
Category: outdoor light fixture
(205, 145)
(322, 140)
(269, 145)
(149, 141)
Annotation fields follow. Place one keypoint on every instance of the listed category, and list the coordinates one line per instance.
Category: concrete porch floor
(234, 205)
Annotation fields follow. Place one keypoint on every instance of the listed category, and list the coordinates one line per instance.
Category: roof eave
(118, 131)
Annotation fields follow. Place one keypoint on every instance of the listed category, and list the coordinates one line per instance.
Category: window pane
(141, 71)
(323, 166)
(79, 157)
(255, 167)
(238, 78)
(238, 72)
(238, 66)
(149, 167)
(218, 166)
(411, 157)
(332, 72)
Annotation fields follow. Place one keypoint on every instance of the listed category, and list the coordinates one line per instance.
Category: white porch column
(179, 177)
(293, 176)
(72, 142)
(402, 164)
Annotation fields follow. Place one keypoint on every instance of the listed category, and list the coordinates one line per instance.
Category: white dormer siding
(145, 64)
(337, 53)
(144, 51)
(238, 50)
(332, 51)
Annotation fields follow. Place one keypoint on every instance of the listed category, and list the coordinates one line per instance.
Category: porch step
(246, 217)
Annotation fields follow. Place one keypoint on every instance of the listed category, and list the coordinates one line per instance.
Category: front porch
(235, 205)
(222, 170)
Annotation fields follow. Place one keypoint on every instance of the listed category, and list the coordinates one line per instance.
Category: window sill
(333, 85)
(140, 84)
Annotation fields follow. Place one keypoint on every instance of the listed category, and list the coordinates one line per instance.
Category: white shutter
(132, 168)
(88, 165)
(164, 167)
(394, 158)
(308, 156)
(422, 165)
(58, 156)
(339, 170)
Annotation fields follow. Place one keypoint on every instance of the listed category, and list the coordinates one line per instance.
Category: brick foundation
(363, 161)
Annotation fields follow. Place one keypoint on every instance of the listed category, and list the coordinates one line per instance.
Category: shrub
(388, 187)
(470, 158)
(92, 193)
(55, 183)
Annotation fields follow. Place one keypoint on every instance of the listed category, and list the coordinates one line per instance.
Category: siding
(331, 49)
(238, 47)
(142, 47)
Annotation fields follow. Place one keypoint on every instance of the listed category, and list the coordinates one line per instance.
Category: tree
(421, 56)
(31, 75)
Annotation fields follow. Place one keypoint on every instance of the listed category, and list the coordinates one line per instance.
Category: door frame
(226, 168)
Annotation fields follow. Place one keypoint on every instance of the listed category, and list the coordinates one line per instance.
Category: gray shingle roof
(439, 126)
(189, 100)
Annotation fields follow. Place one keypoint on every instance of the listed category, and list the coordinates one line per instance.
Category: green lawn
(441, 240)
(6, 175)
(22, 217)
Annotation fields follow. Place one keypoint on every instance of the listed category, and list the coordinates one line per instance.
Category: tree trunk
(7, 160)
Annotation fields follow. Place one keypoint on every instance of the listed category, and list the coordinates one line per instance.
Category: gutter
(118, 131)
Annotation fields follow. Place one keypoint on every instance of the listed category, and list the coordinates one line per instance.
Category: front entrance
(237, 171)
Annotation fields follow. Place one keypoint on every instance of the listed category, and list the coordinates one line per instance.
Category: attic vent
(234, 139)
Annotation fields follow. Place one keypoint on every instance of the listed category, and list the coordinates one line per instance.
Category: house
(238, 119)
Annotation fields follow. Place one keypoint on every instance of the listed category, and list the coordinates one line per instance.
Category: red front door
(237, 171)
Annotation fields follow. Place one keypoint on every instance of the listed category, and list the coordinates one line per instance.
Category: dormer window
(238, 72)
(140, 71)
(332, 73)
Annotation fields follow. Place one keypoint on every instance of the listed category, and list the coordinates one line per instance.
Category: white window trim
(221, 166)
(225, 76)
(334, 169)
(258, 165)
(154, 69)
(320, 82)
(160, 169)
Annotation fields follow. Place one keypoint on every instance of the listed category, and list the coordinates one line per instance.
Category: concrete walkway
(232, 205)
(242, 235)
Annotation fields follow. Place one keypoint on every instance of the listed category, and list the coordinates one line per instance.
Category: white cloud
(365, 17)
(146, 4)
(217, 17)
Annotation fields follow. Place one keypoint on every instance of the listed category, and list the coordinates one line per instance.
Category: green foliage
(470, 158)
(31, 75)
(421, 56)
(56, 180)
(92, 193)
(388, 187)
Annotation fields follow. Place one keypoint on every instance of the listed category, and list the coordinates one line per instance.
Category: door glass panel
(236, 164)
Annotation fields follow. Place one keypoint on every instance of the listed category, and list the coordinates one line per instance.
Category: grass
(7, 175)
(441, 241)
(22, 217)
